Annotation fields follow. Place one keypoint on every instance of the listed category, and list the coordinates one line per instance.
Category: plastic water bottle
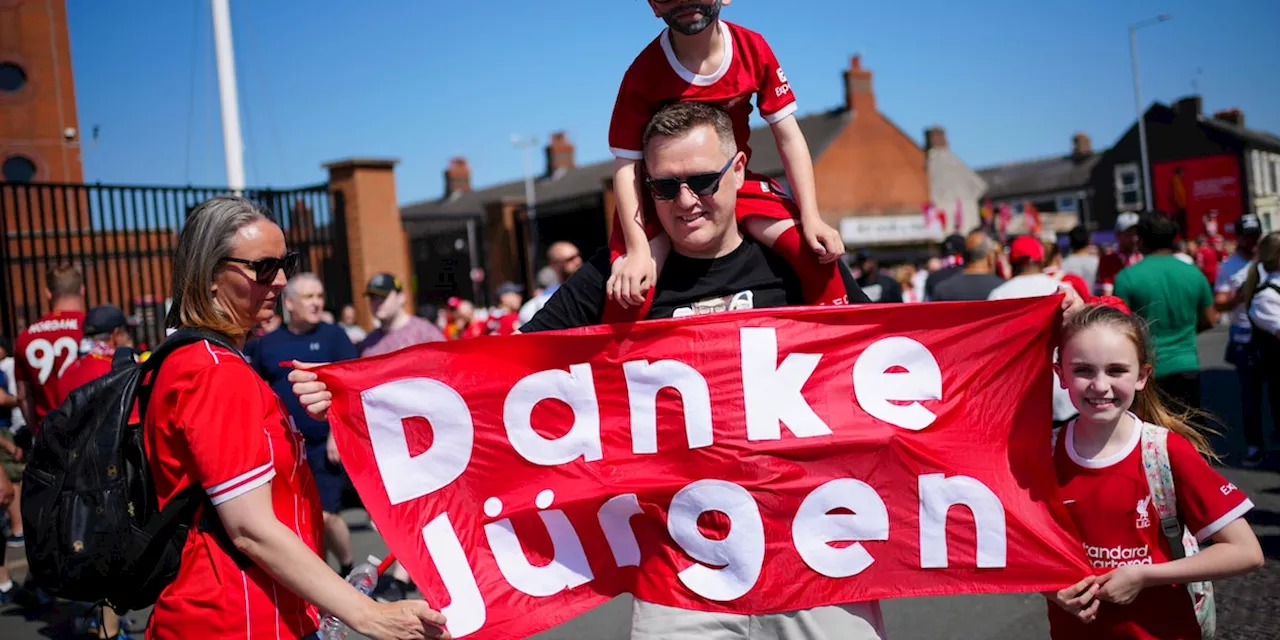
(364, 577)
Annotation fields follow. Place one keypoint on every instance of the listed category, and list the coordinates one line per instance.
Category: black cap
(104, 319)
(953, 245)
(383, 284)
(1249, 225)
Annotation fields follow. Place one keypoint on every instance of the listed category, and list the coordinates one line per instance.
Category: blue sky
(427, 80)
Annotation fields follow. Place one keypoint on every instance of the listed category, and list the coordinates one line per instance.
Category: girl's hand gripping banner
(752, 462)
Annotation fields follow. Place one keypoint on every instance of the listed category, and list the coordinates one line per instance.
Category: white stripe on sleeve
(780, 114)
(1217, 525)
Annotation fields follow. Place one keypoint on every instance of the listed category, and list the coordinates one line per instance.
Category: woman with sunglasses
(213, 423)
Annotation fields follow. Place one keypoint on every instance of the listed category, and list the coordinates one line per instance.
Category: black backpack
(89, 507)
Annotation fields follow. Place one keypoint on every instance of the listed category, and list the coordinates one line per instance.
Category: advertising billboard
(1202, 194)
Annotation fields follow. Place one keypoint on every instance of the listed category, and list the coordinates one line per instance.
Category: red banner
(753, 462)
(1202, 194)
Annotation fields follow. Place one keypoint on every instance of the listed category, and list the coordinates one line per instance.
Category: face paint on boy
(707, 12)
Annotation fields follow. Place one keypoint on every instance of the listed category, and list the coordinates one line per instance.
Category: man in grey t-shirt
(1082, 262)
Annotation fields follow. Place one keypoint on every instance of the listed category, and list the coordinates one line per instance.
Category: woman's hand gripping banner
(753, 462)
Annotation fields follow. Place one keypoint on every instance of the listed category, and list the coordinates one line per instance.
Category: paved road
(1248, 607)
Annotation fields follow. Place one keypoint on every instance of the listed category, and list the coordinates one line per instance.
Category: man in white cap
(1126, 254)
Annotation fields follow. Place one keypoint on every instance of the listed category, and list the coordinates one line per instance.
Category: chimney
(559, 154)
(457, 178)
(1189, 107)
(1081, 145)
(857, 86)
(935, 138)
(1231, 116)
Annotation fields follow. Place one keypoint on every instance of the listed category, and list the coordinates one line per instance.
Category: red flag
(959, 215)
(801, 427)
(1033, 217)
(1006, 214)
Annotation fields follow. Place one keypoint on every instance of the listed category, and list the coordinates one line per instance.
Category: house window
(1067, 204)
(1128, 187)
(1275, 174)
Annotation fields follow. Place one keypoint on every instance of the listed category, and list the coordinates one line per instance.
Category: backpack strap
(1155, 462)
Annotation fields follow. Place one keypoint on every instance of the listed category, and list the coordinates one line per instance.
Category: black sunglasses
(265, 269)
(702, 184)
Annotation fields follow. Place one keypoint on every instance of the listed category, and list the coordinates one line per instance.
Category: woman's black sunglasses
(265, 269)
(702, 184)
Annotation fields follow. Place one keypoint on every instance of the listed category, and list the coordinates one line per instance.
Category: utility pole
(531, 202)
(232, 142)
(1137, 100)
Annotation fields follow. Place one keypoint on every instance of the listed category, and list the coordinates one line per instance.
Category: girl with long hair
(1138, 590)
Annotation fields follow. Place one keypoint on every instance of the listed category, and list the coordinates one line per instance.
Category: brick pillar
(376, 239)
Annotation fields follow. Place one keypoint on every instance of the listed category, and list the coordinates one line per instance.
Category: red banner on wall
(752, 462)
(1197, 191)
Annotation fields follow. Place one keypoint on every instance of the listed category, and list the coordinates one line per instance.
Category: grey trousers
(856, 621)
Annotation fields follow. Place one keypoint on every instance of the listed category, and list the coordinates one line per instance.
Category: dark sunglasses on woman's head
(702, 184)
(265, 269)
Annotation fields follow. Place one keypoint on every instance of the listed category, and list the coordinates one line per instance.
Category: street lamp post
(1137, 102)
(530, 199)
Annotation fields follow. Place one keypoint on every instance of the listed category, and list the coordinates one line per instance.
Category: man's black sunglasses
(265, 269)
(702, 184)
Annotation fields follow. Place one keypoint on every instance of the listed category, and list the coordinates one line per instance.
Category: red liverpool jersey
(1110, 502)
(43, 351)
(656, 78)
(214, 423)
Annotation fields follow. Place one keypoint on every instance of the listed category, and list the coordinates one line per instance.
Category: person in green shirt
(1175, 300)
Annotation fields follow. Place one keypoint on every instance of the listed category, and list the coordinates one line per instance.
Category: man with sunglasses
(564, 259)
(695, 171)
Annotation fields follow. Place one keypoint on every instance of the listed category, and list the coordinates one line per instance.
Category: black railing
(123, 238)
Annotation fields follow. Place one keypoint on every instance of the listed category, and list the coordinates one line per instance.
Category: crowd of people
(243, 418)
(1179, 287)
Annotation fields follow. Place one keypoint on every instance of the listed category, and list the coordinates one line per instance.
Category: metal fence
(123, 238)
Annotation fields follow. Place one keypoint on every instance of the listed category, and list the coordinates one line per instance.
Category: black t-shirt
(880, 288)
(749, 277)
(967, 286)
(938, 277)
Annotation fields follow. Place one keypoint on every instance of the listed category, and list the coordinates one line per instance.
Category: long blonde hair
(206, 239)
(1150, 404)
(1268, 258)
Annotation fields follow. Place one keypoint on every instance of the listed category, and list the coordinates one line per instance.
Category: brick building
(867, 170)
(39, 132)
